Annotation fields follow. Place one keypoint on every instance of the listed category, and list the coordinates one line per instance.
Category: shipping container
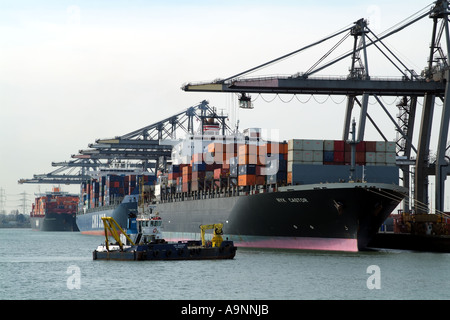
(313, 145)
(186, 187)
(339, 145)
(305, 174)
(295, 144)
(360, 157)
(216, 147)
(328, 145)
(318, 156)
(246, 180)
(371, 146)
(339, 156)
(380, 146)
(198, 175)
(201, 166)
(274, 166)
(371, 157)
(247, 169)
(247, 159)
(328, 156)
(295, 155)
(390, 158)
(245, 149)
(260, 180)
(380, 157)
(360, 147)
(221, 173)
(391, 146)
(279, 177)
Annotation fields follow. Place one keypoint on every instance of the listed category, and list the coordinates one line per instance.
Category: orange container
(247, 180)
(216, 147)
(247, 159)
(197, 158)
(247, 149)
(187, 170)
(289, 177)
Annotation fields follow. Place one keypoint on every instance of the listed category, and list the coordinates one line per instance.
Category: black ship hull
(190, 250)
(335, 216)
(54, 222)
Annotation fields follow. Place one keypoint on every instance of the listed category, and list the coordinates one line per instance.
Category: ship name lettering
(297, 200)
(292, 200)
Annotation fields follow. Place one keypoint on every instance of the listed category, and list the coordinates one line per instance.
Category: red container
(360, 157)
(371, 146)
(361, 147)
(260, 180)
(198, 175)
(339, 145)
(221, 173)
(339, 156)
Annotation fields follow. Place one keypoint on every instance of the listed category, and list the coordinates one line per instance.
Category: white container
(380, 146)
(390, 158)
(328, 145)
(307, 156)
(295, 155)
(380, 158)
(318, 156)
(371, 157)
(390, 146)
(295, 144)
(313, 145)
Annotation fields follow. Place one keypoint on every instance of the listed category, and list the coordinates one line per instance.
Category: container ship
(112, 192)
(54, 211)
(296, 194)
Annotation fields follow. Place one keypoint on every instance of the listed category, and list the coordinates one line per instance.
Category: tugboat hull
(191, 250)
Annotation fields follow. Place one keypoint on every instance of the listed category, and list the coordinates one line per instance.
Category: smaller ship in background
(54, 211)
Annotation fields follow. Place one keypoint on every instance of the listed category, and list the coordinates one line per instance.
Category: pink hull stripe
(328, 244)
(94, 232)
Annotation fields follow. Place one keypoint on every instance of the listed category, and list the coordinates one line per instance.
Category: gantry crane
(144, 145)
(431, 84)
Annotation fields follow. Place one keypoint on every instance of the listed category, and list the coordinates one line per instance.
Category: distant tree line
(14, 220)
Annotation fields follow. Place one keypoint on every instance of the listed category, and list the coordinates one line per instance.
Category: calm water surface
(58, 265)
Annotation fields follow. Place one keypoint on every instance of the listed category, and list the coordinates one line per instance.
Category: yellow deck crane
(113, 228)
(217, 234)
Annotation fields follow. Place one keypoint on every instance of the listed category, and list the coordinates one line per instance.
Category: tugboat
(143, 241)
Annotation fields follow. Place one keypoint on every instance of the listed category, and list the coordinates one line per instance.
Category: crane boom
(217, 233)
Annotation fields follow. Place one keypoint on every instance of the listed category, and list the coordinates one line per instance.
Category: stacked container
(186, 178)
(337, 152)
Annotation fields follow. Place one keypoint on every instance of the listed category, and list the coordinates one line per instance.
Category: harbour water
(59, 266)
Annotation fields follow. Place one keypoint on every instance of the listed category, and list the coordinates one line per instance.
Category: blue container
(174, 168)
(199, 167)
(328, 156)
